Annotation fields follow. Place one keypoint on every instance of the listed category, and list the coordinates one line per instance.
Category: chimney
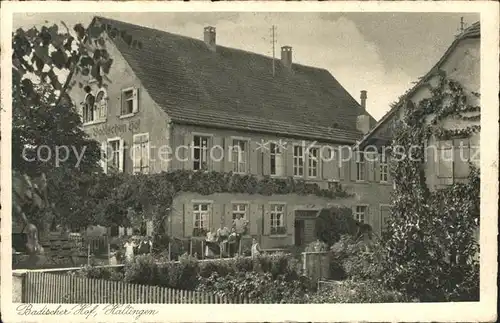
(363, 99)
(209, 37)
(286, 57)
(363, 123)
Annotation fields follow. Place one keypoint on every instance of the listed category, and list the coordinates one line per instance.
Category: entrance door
(299, 232)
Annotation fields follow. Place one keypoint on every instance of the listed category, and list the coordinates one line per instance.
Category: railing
(40, 287)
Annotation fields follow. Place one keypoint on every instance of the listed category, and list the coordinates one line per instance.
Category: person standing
(129, 250)
(239, 226)
(256, 250)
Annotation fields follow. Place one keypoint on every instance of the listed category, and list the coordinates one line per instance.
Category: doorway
(299, 232)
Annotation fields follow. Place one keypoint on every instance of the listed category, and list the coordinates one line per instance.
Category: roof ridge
(201, 41)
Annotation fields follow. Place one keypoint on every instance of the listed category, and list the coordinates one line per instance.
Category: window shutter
(135, 96)
(266, 167)
(252, 157)
(188, 220)
(461, 155)
(227, 165)
(354, 167)
(376, 168)
(445, 152)
(187, 154)
(253, 218)
(121, 231)
(289, 220)
(228, 215)
(121, 101)
(288, 156)
(267, 219)
(328, 164)
(122, 156)
(370, 165)
(104, 156)
(218, 154)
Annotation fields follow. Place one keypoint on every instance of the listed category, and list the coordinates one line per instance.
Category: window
(384, 168)
(88, 108)
(115, 157)
(201, 217)
(298, 161)
(360, 213)
(141, 153)
(240, 210)
(200, 151)
(239, 156)
(129, 102)
(101, 105)
(278, 219)
(360, 166)
(312, 167)
(276, 160)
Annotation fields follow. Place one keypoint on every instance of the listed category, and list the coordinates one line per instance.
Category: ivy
(121, 198)
(430, 244)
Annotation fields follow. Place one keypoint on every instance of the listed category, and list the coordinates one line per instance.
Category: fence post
(202, 249)
(191, 246)
(169, 251)
(88, 253)
(109, 254)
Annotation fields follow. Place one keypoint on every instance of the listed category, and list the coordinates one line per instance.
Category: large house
(460, 63)
(227, 110)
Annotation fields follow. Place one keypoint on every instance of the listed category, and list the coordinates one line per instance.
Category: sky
(382, 53)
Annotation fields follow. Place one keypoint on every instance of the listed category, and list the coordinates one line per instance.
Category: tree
(43, 115)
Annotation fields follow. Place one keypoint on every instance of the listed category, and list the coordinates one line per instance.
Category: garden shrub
(334, 222)
(256, 286)
(352, 291)
(142, 270)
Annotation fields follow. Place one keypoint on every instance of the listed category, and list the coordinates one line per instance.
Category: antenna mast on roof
(273, 42)
(463, 25)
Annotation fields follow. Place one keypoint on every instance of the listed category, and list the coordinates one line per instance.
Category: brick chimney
(286, 57)
(363, 123)
(363, 99)
(209, 37)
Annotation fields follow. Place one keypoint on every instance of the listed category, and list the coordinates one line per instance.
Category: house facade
(171, 102)
(447, 159)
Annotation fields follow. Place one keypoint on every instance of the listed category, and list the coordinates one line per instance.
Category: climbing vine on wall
(125, 197)
(430, 244)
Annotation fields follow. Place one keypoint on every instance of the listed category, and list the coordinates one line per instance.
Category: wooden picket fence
(40, 287)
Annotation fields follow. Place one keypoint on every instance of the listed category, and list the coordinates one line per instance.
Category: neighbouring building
(460, 63)
(167, 90)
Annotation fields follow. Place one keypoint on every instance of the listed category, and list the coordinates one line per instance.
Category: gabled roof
(233, 88)
(474, 31)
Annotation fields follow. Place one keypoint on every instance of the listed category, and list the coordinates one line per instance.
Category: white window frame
(203, 152)
(272, 216)
(139, 169)
(276, 154)
(134, 100)
(296, 161)
(313, 162)
(357, 214)
(120, 153)
(360, 167)
(199, 212)
(235, 212)
(241, 164)
(384, 168)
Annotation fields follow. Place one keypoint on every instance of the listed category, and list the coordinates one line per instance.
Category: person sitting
(222, 237)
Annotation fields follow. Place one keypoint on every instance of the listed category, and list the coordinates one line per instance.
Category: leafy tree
(334, 222)
(43, 62)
